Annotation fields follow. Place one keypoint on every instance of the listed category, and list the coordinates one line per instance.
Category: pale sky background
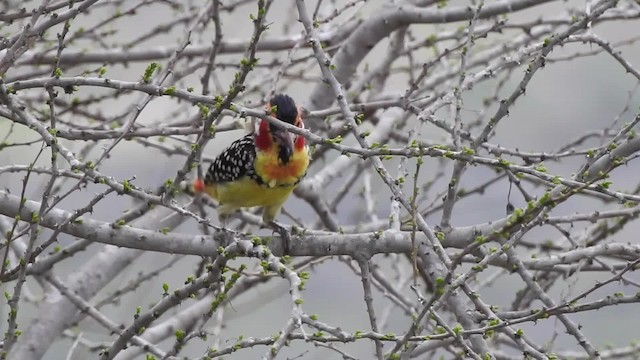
(564, 100)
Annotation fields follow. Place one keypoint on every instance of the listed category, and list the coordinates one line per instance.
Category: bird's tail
(192, 187)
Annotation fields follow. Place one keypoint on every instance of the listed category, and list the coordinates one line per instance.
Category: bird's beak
(285, 141)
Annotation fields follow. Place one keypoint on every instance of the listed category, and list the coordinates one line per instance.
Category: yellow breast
(246, 192)
(276, 174)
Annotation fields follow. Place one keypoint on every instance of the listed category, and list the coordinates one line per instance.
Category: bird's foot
(284, 234)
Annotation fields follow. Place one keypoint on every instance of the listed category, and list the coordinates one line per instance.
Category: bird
(262, 168)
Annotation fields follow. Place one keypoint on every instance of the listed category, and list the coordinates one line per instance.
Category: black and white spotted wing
(234, 162)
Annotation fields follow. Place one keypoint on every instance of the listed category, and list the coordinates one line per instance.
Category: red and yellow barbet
(261, 168)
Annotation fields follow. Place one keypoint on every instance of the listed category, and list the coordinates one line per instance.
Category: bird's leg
(224, 214)
(268, 215)
(223, 219)
(284, 234)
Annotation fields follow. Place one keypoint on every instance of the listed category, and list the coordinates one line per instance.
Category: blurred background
(581, 89)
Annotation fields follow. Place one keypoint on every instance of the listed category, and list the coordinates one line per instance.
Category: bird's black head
(285, 108)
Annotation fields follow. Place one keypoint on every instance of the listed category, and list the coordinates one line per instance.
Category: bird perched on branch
(261, 168)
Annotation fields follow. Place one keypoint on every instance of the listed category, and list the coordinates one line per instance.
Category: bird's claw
(284, 234)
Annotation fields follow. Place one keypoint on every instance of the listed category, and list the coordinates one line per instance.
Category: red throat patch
(198, 185)
(263, 138)
(299, 142)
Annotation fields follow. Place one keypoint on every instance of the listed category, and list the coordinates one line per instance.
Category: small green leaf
(148, 72)
(170, 90)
